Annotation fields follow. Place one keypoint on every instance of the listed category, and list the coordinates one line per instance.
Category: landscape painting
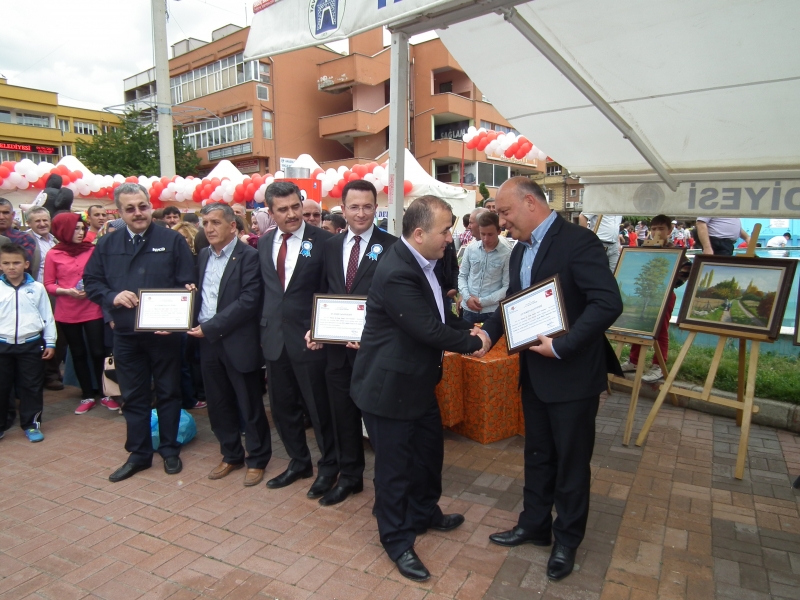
(737, 294)
(644, 277)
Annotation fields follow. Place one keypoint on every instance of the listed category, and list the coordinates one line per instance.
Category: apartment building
(253, 113)
(443, 104)
(34, 125)
(563, 191)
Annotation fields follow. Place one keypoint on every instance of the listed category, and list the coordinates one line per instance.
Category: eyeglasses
(316, 214)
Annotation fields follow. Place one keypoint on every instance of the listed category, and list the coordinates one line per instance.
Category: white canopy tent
(686, 107)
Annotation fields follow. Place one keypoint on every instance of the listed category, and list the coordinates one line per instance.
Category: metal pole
(166, 148)
(398, 111)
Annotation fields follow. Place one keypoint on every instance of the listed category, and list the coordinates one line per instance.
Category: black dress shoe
(321, 486)
(173, 465)
(517, 536)
(127, 470)
(411, 566)
(340, 493)
(448, 522)
(561, 563)
(288, 477)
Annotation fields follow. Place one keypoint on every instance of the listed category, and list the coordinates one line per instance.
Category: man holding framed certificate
(351, 258)
(559, 278)
(140, 257)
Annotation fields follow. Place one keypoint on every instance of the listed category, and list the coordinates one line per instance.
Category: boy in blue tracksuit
(27, 339)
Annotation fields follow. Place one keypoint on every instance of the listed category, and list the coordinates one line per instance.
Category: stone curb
(772, 413)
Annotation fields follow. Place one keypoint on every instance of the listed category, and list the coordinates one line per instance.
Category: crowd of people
(73, 280)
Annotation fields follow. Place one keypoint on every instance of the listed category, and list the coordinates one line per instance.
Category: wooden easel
(745, 409)
(636, 384)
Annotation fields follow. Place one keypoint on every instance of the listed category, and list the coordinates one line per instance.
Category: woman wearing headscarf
(75, 314)
(265, 224)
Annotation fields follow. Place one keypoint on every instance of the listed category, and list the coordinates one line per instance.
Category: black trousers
(74, 334)
(288, 381)
(22, 368)
(52, 367)
(559, 441)
(229, 393)
(408, 476)
(140, 359)
(347, 425)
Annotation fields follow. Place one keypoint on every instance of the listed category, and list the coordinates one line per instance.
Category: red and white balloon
(500, 144)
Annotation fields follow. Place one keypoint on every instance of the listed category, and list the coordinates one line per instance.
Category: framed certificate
(164, 310)
(338, 319)
(538, 309)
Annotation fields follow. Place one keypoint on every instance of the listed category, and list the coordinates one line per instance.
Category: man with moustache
(394, 377)
(351, 259)
(97, 217)
(312, 213)
(292, 257)
(561, 378)
(141, 256)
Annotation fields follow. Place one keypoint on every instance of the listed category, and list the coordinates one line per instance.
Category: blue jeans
(473, 317)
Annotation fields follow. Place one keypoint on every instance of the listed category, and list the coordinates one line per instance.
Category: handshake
(487, 342)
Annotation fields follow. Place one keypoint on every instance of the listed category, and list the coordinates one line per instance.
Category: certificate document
(164, 310)
(338, 319)
(537, 310)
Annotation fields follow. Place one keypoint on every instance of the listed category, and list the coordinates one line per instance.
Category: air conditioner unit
(452, 168)
(570, 205)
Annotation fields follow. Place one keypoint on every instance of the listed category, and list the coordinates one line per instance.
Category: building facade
(443, 104)
(34, 125)
(563, 191)
(252, 113)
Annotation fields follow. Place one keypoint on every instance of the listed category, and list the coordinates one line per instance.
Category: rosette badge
(305, 249)
(374, 251)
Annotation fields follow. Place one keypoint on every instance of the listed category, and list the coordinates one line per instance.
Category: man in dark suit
(142, 256)
(561, 378)
(351, 258)
(394, 377)
(229, 295)
(292, 258)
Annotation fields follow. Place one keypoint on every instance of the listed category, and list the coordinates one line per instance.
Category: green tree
(650, 283)
(132, 149)
(483, 191)
(764, 309)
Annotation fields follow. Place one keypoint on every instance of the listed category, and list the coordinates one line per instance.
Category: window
(5, 116)
(6, 156)
(37, 158)
(230, 151)
(492, 175)
(219, 75)
(263, 73)
(549, 194)
(573, 192)
(216, 132)
(554, 169)
(85, 128)
(63, 125)
(489, 126)
(262, 92)
(33, 120)
(446, 87)
(66, 150)
(266, 123)
(453, 131)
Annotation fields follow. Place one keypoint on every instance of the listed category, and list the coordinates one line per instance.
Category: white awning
(709, 87)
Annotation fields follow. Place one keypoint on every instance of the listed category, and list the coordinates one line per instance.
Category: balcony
(356, 123)
(341, 73)
(32, 133)
(450, 104)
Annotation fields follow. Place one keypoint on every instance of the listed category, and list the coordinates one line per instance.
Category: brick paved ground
(667, 521)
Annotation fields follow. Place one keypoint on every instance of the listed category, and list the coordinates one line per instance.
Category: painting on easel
(644, 277)
(737, 295)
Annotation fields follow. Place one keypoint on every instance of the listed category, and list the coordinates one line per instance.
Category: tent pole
(398, 111)
(529, 33)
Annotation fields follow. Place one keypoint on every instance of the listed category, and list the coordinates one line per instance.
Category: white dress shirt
(348, 247)
(45, 243)
(427, 267)
(293, 245)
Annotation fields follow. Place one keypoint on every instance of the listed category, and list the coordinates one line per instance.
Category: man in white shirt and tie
(351, 258)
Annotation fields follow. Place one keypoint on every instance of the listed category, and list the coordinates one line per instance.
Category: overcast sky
(83, 49)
